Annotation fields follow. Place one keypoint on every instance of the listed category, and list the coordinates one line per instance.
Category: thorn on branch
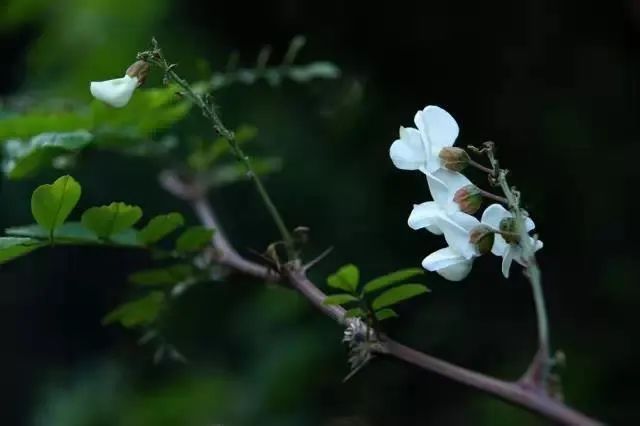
(317, 259)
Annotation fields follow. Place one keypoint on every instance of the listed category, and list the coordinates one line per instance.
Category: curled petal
(507, 259)
(407, 153)
(456, 272)
(116, 92)
(529, 225)
(425, 215)
(437, 126)
(448, 263)
(538, 246)
(500, 246)
(439, 191)
(494, 214)
(452, 180)
(439, 130)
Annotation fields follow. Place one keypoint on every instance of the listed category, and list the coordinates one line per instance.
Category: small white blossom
(492, 217)
(443, 185)
(419, 149)
(116, 92)
(454, 262)
(443, 216)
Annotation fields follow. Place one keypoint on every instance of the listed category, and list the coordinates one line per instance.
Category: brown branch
(516, 393)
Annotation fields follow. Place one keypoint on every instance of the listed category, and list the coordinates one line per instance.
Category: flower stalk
(156, 58)
(528, 253)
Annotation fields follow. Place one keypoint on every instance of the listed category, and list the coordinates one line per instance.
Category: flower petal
(458, 271)
(439, 191)
(407, 152)
(425, 215)
(441, 259)
(529, 225)
(456, 228)
(494, 214)
(538, 246)
(507, 259)
(116, 92)
(500, 246)
(453, 180)
(438, 127)
(448, 263)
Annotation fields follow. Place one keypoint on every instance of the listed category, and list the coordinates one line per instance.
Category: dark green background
(555, 84)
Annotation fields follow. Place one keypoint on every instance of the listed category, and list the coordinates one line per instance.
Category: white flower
(116, 92)
(443, 216)
(418, 149)
(454, 262)
(492, 216)
(443, 185)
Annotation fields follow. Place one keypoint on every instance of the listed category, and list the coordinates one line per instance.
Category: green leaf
(27, 125)
(160, 226)
(69, 232)
(162, 276)
(398, 294)
(339, 299)
(386, 313)
(149, 111)
(390, 279)
(12, 247)
(138, 312)
(75, 233)
(354, 312)
(194, 238)
(109, 220)
(347, 278)
(24, 159)
(52, 204)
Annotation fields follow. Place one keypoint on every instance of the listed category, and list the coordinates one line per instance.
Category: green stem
(533, 271)
(209, 111)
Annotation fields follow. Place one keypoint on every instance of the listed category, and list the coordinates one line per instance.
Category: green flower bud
(508, 230)
(468, 198)
(482, 238)
(455, 159)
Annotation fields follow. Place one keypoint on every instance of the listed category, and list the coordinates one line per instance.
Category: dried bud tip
(508, 230)
(468, 198)
(482, 238)
(140, 70)
(455, 159)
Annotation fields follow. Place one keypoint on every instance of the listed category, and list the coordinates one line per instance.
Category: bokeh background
(555, 84)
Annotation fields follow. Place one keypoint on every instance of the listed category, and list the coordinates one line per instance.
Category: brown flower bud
(508, 230)
(468, 198)
(140, 70)
(453, 158)
(482, 238)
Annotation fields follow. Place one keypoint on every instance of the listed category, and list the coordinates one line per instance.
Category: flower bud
(482, 238)
(455, 159)
(508, 230)
(468, 198)
(139, 70)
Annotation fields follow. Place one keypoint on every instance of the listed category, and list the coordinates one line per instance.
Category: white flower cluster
(419, 149)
